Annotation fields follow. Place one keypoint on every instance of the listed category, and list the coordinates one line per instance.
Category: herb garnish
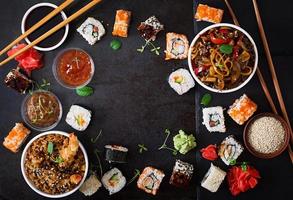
(164, 145)
(94, 140)
(243, 165)
(136, 174)
(149, 43)
(206, 99)
(141, 148)
(84, 91)
(50, 147)
(232, 162)
(59, 160)
(43, 86)
(96, 151)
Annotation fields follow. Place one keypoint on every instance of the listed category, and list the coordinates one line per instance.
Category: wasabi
(183, 142)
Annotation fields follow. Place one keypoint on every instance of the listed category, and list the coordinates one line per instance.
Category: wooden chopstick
(272, 67)
(258, 72)
(53, 30)
(262, 81)
(37, 25)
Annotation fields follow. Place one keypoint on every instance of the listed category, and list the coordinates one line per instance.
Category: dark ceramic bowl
(269, 155)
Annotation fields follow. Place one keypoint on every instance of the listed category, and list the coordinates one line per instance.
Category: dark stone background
(133, 102)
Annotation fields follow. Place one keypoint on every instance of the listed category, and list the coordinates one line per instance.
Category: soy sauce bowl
(35, 14)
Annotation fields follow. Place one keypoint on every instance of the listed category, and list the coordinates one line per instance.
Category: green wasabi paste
(183, 142)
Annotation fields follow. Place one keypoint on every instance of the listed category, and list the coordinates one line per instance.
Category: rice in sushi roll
(113, 180)
(177, 46)
(213, 119)
(182, 174)
(213, 178)
(78, 117)
(181, 81)
(90, 186)
(150, 180)
(116, 153)
(230, 149)
(91, 30)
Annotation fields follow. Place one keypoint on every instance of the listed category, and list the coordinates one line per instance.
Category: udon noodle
(223, 58)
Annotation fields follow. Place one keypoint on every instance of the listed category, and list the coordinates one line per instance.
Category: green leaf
(59, 160)
(84, 91)
(115, 44)
(226, 48)
(244, 166)
(232, 162)
(206, 99)
(50, 147)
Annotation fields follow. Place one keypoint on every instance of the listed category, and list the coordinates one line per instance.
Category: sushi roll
(18, 81)
(91, 30)
(150, 28)
(242, 109)
(213, 119)
(209, 14)
(90, 186)
(182, 174)
(16, 137)
(121, 24)
(230, 149)
(113, 180)
(78, 117)
(213, 178)
(177, 46)
(181, 81)
(150, 180)
(116, 153)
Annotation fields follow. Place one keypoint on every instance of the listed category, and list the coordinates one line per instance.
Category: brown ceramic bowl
(262, 155)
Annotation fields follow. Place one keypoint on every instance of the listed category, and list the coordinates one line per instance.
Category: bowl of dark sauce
(36, 13)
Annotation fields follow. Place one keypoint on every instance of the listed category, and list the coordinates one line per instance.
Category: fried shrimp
(69, 150)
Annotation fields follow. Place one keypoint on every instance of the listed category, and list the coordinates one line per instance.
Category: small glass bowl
(29, 123)
(60, 81)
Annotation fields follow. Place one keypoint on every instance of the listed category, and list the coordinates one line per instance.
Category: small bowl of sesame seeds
(266, 135)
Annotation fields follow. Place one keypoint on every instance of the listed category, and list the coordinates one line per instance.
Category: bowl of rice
(266, 135)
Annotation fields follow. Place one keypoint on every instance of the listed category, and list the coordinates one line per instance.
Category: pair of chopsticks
(50, 32)
(272, 70)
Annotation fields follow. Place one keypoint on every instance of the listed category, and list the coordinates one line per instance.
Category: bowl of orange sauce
(73, 68)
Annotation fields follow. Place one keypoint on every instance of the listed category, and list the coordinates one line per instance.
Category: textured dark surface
(276, 181)
(133, 102)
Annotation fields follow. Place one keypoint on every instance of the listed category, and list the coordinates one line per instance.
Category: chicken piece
(69, 150)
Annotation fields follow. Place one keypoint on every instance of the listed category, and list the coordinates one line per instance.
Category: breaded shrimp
(69, 149)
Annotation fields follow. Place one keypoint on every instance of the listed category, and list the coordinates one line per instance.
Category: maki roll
(121, 24)
(182, 174)
(242, 109)
(18, 81)
(177, 46)
(230, 149)
(150, 180)
(116, 153)
(90, 186)
(91, 30)
(213, 119)
(78, 117)
(181, 81)
(213, 178)
(150, 28)
(113, 180)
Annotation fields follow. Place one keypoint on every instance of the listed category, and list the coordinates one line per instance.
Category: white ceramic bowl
(24, 21)
(195, 40)
(32, 186)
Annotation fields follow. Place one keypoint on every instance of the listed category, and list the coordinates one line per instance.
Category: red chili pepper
(216, 40)
(210, 152)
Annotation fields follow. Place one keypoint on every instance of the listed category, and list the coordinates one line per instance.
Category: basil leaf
(206, 99)
(50, 147)
(84, 91)
(115, 44)
(226, 48)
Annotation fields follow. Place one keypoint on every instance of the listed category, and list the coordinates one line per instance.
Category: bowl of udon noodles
(54, 164)
(222, 58)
